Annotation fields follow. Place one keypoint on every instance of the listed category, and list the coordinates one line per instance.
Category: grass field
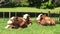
(29, 9)
(33, 29)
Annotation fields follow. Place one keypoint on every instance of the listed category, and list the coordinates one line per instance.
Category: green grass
(29, 9)
(33, 29)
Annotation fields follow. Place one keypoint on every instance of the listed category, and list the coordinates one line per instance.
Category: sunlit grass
(29, 9)
(33, 29)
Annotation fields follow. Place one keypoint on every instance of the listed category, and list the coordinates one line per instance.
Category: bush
(47, 4)
(31, 3)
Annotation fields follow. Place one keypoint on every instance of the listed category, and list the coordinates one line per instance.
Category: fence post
(35, 15)
(9, 14)
(49, 13)
(3, 15)
(15, 13)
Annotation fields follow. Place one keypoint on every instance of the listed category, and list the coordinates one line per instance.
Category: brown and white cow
(45, 20)
(16, 22)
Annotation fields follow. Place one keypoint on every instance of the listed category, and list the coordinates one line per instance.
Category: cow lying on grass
(16, 22)
(45, 20)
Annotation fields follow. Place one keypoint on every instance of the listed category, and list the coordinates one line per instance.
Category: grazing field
(29, 9)
(33, 29)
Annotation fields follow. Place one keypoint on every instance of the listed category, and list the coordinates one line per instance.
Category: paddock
(34, 28)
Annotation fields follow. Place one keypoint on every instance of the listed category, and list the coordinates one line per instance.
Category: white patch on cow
(38, 18)
(25, 16)
(11, 19)
(7, 26)
(9, 22)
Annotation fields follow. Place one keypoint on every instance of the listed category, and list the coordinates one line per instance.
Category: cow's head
(26, 16)
(39, 17)
(10, 20)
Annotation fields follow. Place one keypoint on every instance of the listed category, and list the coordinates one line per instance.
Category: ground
(33, 29)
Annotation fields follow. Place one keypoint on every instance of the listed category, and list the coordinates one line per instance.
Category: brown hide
(19, 22)
(28, 20)
(46, 20)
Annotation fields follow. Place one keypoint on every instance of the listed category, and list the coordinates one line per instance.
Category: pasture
(33, 29)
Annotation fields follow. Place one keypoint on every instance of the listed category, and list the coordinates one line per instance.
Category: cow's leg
(38, 22)
(48, 22)
(29, 23)
(9, 26)
(43, 22)
(53, 22)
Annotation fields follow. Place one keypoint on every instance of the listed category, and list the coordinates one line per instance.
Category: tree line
(30, 3)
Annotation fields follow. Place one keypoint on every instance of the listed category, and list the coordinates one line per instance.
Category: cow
(16, 22)
(27, 19)
(45, 20)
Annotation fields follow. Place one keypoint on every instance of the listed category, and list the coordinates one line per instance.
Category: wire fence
(54, 15)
